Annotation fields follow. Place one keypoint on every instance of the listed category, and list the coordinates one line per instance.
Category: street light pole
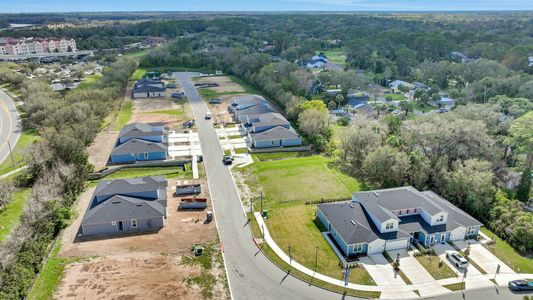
(11, 153)
(261, 203)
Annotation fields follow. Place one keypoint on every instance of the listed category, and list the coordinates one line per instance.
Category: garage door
(376, 246)
(458, 234)
(396, 245)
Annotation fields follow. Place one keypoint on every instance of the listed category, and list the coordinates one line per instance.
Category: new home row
(25, 46)
(264, 126)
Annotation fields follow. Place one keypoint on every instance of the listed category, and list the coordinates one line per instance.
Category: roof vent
(351, 206)
(139, 204)
(353, 222)
(376, 194)
(115, 202)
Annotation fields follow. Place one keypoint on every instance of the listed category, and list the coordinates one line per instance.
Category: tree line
(57, 168)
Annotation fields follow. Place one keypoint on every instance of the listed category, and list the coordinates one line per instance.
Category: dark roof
(130, 185)
(246, 100)
(140, 129)
(455, 214)
(353, 224)
(399, 198)
(123, 208)
(254, 110)
(148, 89)
(147, 81)
(276, 133)
(135, 145)
(270, 118)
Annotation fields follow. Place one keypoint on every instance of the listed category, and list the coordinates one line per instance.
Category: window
(470, 230)
(389, 225)
(441, 218)
(358, 248)
(134, 223)
(416, 210)
(400, 213)
(145, 155)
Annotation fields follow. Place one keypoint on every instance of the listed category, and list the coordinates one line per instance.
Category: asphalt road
(251, 275)
(10, 126)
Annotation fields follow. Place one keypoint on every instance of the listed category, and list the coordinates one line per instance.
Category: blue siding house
(390, 219)
(140, 142)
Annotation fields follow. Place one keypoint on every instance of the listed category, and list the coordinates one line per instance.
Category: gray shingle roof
(138, 146)
(341, 214)
(123, 208)
(270, 118)
(140, 129)
(399, 198)
(130, 185)
(276, 133)
(147, 89)
(147, 81)
(247, 100)
(362, 230)
(254, 110)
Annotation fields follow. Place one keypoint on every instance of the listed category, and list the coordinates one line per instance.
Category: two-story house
(390, 219)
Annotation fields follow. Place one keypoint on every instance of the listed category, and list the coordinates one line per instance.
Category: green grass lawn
(422, 107)
(138, 74)
(168, 172)
(395, 97)
(431, 263)
(247, 88)
(10, 215)
(124, 115)
(295, 226)
(26, 138)
(260, 157)
(282, 181)
(12, 89)
(455, 286)
(171, 112)
(51, 274)
(336, 56)
(208, 93)
(508, 254)
(89, 81)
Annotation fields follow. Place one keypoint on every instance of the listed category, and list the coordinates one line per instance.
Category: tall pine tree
(522, 193)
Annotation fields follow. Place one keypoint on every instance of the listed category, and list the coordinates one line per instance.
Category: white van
(208, 115)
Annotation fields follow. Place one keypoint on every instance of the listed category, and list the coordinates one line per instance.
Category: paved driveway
(474, 278)
(418, 274)
(484, 258)
(381, 270)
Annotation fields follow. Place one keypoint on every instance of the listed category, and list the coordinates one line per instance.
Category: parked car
(228, 160)
(457, 259)
(442, 110)
(521, 285)
(177, 95)
(171, 85)
(208, 115)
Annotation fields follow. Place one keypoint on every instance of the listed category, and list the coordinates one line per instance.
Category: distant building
(444, 102)
(395, 85)
(461, 57)
(26, 46)
(148, 88)
(356, 99)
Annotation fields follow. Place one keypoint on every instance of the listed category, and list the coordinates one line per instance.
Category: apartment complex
(25, 46)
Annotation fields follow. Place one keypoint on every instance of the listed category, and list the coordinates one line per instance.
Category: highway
(251, 275)
(10, 125)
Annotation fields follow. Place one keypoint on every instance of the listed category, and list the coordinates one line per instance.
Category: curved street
(10, 125)
(250, 274)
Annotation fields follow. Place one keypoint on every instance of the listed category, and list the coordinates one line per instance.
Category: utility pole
(261, 203)
(290, 255)
(251, 207)
(11, 153)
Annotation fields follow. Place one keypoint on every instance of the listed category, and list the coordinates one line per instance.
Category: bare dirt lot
(130, 276)
(225, 84)
(100, 150)
(172, 113)
(144, 266)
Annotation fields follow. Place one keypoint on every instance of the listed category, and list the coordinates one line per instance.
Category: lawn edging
(277, 261)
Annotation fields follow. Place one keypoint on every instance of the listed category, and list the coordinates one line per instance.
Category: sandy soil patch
(153, 111)
(182, 230)
(225, 84)
(100, 150)
(132, 276)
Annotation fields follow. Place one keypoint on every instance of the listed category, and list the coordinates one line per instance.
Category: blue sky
(10, 6)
